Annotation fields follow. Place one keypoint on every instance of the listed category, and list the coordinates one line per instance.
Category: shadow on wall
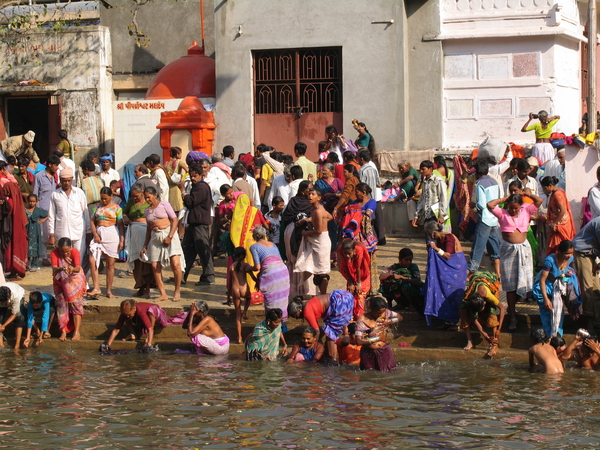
(143, 58)
(224, 82)
(412, 6)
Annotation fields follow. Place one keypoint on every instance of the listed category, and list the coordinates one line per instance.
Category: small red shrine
(190, 77)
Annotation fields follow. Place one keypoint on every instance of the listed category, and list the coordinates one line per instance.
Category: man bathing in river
(586, 351)
(549, 362)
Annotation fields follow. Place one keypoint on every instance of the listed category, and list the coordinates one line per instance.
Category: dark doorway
(24, 114)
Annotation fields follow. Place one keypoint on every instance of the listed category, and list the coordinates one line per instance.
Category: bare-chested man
(205, 332)
(314, 255)
(586, 351)
(549, 362)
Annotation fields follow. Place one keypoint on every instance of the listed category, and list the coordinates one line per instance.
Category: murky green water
(74, 400)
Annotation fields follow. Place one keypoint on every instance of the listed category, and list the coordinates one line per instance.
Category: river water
(81, 400)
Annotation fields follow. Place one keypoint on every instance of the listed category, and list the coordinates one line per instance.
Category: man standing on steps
(587, 248)
(68, 215)
(196, 240)
(44, 184)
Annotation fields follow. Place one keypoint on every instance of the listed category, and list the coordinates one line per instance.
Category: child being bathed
(309, 350)
(544, 353)
(237, 287)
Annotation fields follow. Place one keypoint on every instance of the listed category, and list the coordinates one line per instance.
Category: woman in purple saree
(273, 277)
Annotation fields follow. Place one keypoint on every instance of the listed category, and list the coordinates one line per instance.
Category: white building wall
(372, 58)
(504, 59)
(136, 135)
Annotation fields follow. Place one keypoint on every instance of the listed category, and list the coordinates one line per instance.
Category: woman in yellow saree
(245, 219)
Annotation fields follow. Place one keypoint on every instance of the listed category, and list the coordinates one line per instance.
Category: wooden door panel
(276, 130)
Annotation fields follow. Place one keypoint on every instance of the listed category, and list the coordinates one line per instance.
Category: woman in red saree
(559, 223)
(69, 288)
(355, 267)
(15, 248)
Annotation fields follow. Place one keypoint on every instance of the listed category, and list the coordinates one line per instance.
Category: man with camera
(543, 130)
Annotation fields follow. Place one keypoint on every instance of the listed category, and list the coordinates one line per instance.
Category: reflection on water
(82, 400)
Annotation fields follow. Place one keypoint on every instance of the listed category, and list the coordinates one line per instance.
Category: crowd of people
(284, 222)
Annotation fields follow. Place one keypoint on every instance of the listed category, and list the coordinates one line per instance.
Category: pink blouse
(508, 224)
(164, 210)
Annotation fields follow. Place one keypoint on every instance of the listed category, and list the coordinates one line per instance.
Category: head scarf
(194, 157)
(109, 157)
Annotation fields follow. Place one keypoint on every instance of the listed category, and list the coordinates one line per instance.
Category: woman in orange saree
(559, 224)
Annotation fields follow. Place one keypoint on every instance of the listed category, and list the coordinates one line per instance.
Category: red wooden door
(297, 93)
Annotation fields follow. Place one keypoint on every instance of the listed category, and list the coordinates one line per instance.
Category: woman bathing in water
(309, 350)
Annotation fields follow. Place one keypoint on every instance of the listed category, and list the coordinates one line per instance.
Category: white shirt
(17, 294)
(290, 190)
(553, 168)
(109, 176)
(594, 200)
(68, 215)
(64, 163)
(497, 171)
(215, 179)
(254, 185)
(162, 184)
(530, 183)
(277, 182)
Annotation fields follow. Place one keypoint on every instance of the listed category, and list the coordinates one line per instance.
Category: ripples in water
(82, 400)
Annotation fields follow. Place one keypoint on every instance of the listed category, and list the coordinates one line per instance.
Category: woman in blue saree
(555, 287)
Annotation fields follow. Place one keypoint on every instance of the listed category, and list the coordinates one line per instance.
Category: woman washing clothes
(133, 313)
(516, 259)
(335, 309)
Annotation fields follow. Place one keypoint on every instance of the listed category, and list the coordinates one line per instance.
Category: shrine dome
(191, 75)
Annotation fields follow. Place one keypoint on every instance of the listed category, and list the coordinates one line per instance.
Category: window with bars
(307, 80)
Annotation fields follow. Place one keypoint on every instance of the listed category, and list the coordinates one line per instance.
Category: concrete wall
(73, 63)
(372, 58)
(425, 86)
(171, 26)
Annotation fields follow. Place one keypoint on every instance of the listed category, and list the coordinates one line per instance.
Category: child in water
(309, 350)
(545, 354)
(237, 288)
(348, 348)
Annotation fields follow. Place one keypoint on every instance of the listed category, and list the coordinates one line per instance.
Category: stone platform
(102, 314)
